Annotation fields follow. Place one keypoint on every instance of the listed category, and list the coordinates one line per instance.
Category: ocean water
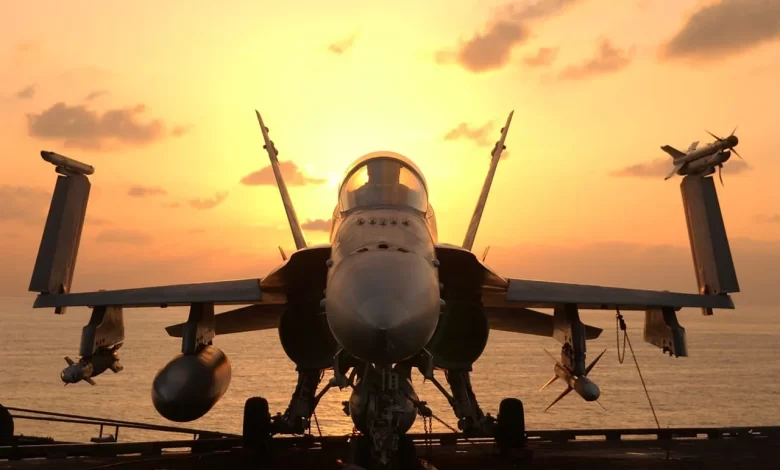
(730, 378)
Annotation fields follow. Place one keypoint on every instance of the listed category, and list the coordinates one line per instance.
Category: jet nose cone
(734, 140)
(383, 306)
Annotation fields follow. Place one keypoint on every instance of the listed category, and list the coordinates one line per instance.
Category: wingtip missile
(61, 161)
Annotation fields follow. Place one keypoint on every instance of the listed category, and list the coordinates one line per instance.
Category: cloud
(123, 236)
(543, 57)
(608, 59)
(83, 128)
(724, 28)
(478, 135)
(661, 167)
(145, 191)
(96, 220)
(293, 176)
(768, 218)
(95, 94)
(29, 47)
(652, 169)
(488, 50)
(23, 204)
(27, 92)
(27, 50)
(491, 49)
(342, 46)
(179, 131)
(318, 225)
(172, 205)
(208, 203)
(735, 167)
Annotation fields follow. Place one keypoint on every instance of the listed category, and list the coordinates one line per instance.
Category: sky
(160, 96)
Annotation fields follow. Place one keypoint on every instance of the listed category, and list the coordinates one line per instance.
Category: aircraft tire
(257, 426)
(6, 426)
(510, 428)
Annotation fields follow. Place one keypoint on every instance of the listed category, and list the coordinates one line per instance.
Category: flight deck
(652, 448)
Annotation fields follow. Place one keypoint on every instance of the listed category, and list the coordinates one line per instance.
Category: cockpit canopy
(383, 179)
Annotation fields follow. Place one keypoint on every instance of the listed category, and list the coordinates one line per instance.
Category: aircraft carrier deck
(690, 448)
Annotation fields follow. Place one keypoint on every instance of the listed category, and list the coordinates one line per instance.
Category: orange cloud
(608, 59)
(83, 128)
(293, 176)
(124, 236)
(208, 203)
(95, 94)
(342, 46)
(544, 57)
(318, 225)
(145, 191)
(478, 135)
(27, 92)
(23, 204)
(491, 49)
(728, 27)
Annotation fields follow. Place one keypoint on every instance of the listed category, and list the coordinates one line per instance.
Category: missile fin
(563, 394)
(674, 171)
(553, 379)
(592, 364)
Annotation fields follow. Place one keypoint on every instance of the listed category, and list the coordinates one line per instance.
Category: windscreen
(383, 181)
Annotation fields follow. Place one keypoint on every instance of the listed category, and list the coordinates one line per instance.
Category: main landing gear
(259, 425)
(508, 428)
(383, 406)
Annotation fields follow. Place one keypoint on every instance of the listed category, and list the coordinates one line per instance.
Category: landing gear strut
(297, 418)
(508, 429)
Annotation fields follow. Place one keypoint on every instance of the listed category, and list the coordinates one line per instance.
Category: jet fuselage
(382, 299)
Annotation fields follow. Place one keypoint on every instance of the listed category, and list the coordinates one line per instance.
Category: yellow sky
(338, 79)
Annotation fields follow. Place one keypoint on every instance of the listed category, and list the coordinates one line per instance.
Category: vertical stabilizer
(712, 259)
(56, 261)
(471, 233)
(295, 226)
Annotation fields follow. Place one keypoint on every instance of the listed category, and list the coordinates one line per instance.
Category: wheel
(6, 426)
(510, 428)
(257, 426)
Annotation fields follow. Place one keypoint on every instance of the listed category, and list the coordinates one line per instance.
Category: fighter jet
(703, 161)
(383, 297)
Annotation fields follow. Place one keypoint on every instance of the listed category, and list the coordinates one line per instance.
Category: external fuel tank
(191, 384)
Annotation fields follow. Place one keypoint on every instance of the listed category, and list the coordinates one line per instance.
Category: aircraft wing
(529, 322)
(243, 291)
(521, 293)
(250, 318)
